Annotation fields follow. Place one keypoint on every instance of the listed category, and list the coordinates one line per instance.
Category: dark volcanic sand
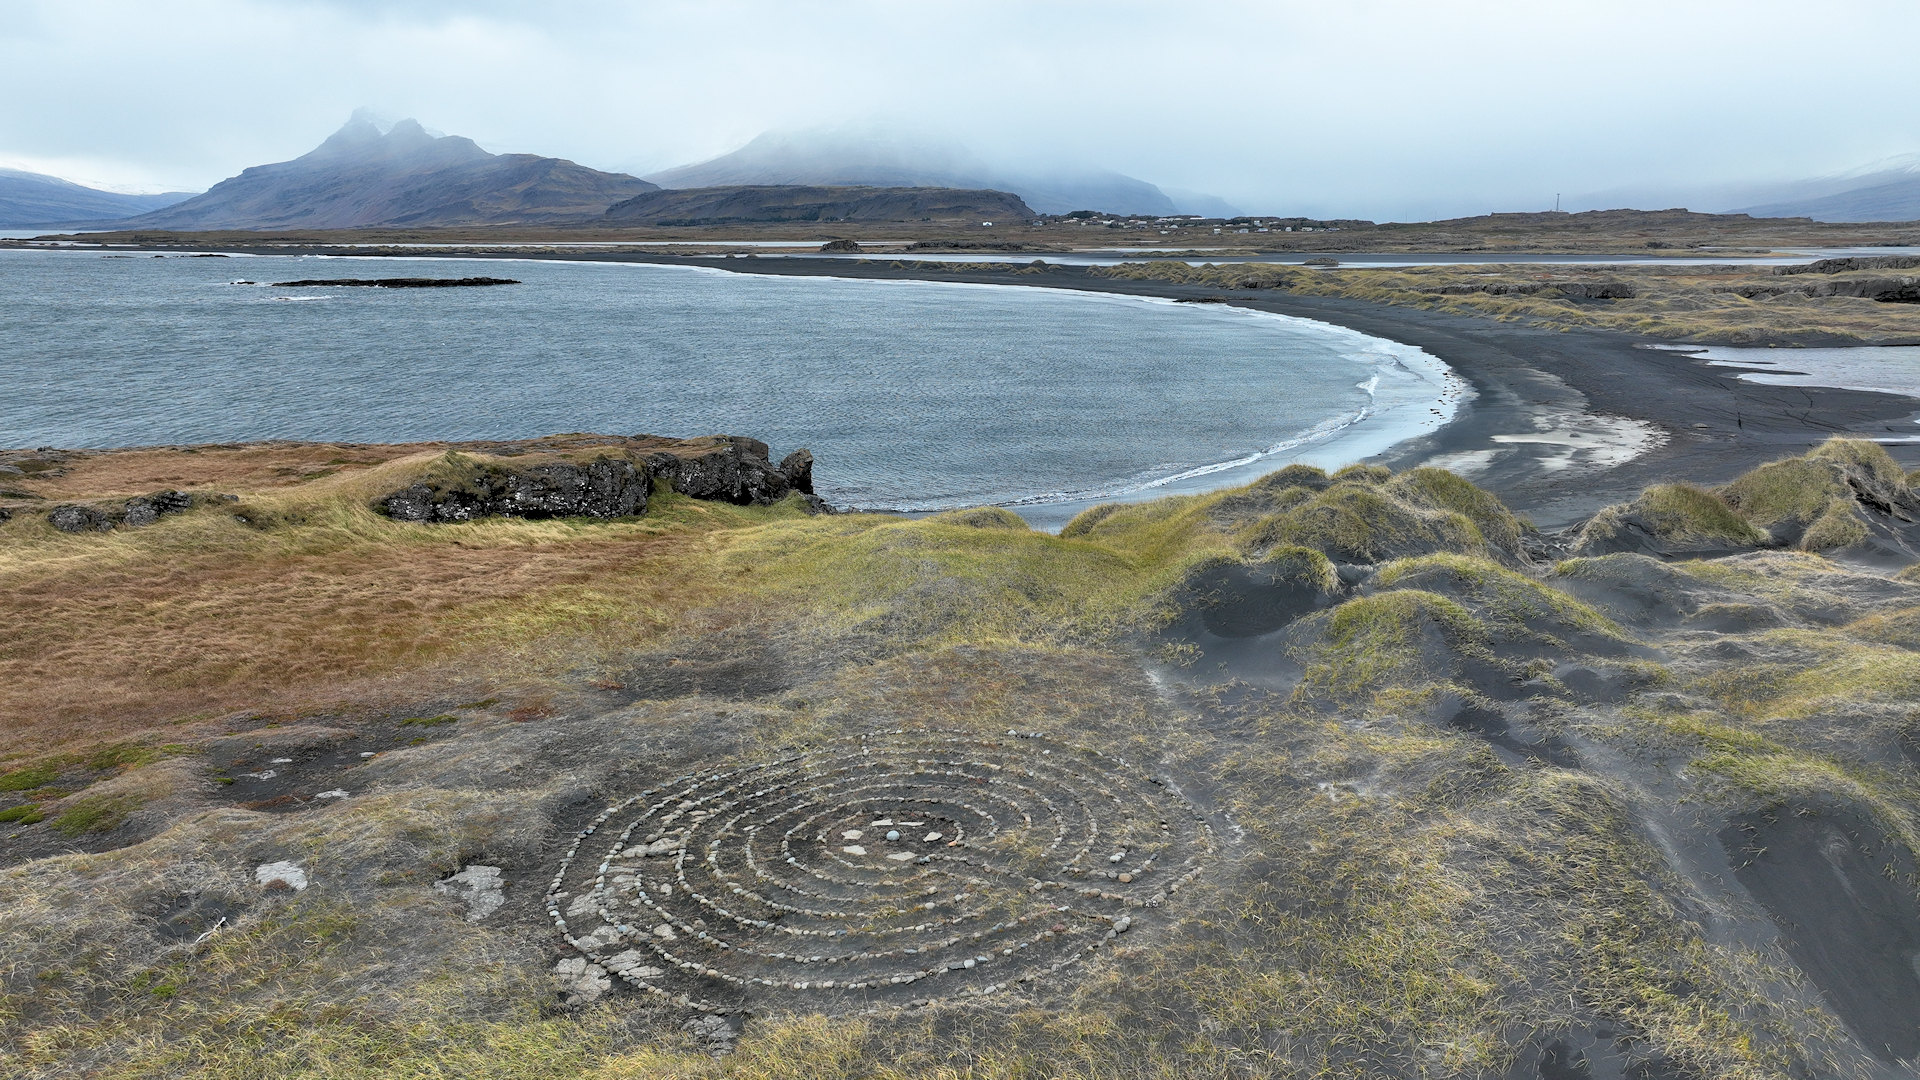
(1717, 425)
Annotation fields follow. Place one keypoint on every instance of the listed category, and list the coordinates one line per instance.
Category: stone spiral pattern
(896, 868)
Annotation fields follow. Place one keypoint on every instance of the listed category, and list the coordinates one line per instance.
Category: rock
(138, 511)
(893, 834)
(75, 518)
(606, 487)
(479, 887)
(336, 793)
(840, 245)
(580, 982)
(147, 509)
(716, 1034)
(288, 874)
(735, 469)
(630, 959)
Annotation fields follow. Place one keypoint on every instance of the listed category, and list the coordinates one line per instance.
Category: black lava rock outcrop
(135, 512)
(721, 468)
(606, 487)
(735, 469)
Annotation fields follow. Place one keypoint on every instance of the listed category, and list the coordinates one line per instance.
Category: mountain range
(364, 176)
(367, 174)
(874, 158)
(29, 199)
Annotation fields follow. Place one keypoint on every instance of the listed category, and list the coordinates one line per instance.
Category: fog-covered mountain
(799, 202)
(30, 200)
(364, 176)
(1886, 190)
(841, 158)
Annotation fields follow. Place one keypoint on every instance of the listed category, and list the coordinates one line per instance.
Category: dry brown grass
(1675, 303)
(318, 601)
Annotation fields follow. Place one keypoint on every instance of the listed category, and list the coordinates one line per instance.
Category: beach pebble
(336, 793)
(852, 834)
(1116, 856)
(1123, 924)
(932, 836)
(1125, 878)
(854, 849)
(893, 834)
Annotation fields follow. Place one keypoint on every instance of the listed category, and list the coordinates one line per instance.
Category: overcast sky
(1385, 110)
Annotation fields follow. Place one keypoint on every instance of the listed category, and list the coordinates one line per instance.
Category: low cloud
(1382, 110)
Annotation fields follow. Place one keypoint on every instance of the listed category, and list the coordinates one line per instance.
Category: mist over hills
(1886, 190)
(362, 176)
(29, 199)
(846, 158)
(810, 203)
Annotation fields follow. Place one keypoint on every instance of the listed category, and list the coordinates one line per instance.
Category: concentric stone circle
(895, 868)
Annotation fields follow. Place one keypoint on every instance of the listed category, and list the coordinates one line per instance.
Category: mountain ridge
(361, 176)
(881, 159)
(30, 199)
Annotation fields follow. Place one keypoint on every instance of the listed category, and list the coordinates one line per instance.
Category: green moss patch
(93, 814)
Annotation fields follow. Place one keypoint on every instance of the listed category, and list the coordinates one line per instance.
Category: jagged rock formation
(362, 176)
(735, 469)
(723, 468)
(724, 205)
(605, 487)
(135, 512)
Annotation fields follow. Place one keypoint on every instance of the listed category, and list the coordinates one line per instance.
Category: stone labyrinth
(896, 868)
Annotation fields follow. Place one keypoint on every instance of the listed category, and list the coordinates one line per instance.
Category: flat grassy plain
(1487, 800)
(1705, 304)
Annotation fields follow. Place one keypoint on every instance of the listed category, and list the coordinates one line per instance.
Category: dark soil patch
(1514, 745)
(1842, 894)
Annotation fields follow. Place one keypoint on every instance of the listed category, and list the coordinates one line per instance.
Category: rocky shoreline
(567, 476)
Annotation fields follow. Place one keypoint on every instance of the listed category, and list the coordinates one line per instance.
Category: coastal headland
(1576, 738)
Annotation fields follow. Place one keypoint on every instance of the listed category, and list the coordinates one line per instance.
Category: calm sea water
(911, 395)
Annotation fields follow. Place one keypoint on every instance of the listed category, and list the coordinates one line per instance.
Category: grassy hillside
(1460, 799)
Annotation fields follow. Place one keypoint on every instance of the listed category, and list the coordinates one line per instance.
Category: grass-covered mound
(1474, 813)
(1845, 495)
